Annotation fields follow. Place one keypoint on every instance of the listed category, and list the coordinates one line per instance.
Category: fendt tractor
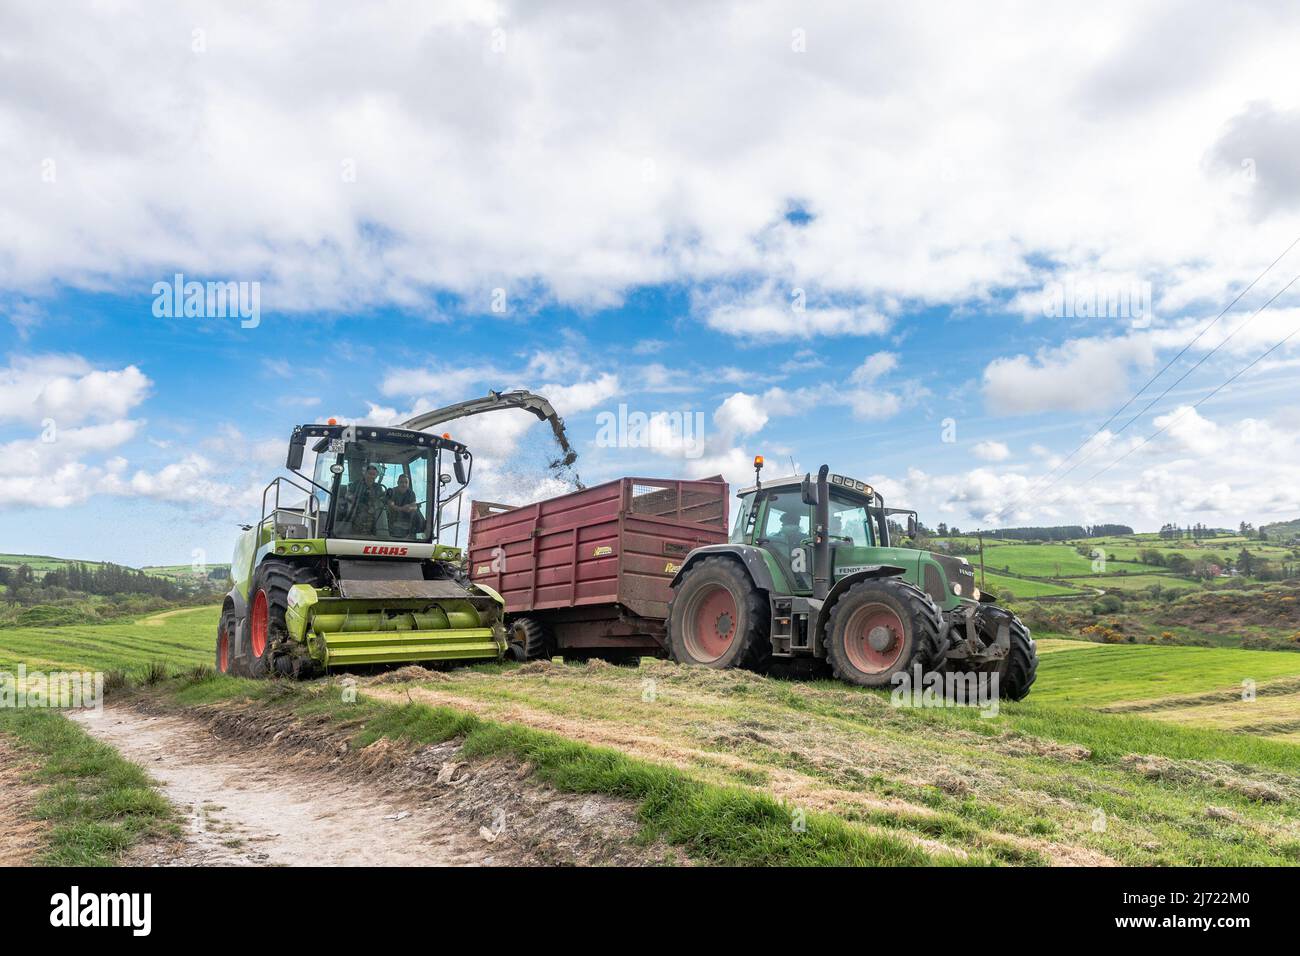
(810, 572)
(356, 571)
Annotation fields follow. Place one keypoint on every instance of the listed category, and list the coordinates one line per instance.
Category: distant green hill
(1282, 530)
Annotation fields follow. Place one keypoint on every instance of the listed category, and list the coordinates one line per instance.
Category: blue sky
(833, 250)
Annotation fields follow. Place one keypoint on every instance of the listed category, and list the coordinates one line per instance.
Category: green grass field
(1048, 560)
(1106, 673)
(1000, 584)
(182, 637)
(1022, 787)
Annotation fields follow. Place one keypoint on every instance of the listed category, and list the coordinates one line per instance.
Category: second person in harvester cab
(404, 517)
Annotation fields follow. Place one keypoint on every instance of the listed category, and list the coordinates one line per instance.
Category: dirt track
(247, 801)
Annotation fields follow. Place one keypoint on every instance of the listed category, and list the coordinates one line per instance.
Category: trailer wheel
(717, 618)
(881, 627)
(225, 657)
(527, 639)
(267, 629)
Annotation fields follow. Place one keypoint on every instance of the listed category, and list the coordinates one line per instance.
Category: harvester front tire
(269, 602)
(717, 618)
(881, 627)
(527, 639)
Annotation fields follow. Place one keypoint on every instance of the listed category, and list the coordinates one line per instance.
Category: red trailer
(588, 573)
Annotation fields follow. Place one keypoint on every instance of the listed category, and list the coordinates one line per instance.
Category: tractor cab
(779, 516)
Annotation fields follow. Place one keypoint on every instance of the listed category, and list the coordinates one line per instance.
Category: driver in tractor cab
(791, 538)
(366, 502)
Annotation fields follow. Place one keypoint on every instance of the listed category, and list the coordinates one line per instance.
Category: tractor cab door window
(786, 526)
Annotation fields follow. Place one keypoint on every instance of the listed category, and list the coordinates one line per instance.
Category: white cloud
(740, 414)
(581, 396)
(873, 367)
(427, 152)
(991, 451)
(67, 389)
(778, 322)
(1079, 375)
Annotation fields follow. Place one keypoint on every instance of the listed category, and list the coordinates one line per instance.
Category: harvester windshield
(390, 484)
(382, 491)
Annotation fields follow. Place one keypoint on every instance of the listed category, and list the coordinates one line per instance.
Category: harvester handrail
(310, 513)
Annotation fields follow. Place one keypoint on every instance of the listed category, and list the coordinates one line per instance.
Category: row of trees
(23, 584)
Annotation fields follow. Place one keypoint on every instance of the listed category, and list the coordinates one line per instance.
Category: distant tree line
(1061, 532)
(101, 579)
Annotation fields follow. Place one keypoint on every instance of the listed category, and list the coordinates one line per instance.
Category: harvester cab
(357, 563)
(811, 571)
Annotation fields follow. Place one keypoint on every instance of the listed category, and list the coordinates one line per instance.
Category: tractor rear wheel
(225, 658)
(717, 618)
(270, 600)
(527, 639)
(881, 627)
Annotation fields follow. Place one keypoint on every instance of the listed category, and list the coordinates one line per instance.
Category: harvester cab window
(382, 491)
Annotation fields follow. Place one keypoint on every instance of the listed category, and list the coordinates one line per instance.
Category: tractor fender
(844, 583)
(750, 556)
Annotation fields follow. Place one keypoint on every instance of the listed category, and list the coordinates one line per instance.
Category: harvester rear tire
(717, 618)
(225, 656)
(527, 639)
(269, 600)
(881, 627)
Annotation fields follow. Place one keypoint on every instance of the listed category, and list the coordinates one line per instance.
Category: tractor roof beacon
(357, 569)
(810, 572)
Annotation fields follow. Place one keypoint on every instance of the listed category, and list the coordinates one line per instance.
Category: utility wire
(1259, 358)
(1202, 360)
(1044, 483)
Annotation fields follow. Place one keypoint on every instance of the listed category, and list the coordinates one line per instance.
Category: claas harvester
(349, 565)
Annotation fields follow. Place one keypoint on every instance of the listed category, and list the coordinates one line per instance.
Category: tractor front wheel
(881, 627)
(717, 618)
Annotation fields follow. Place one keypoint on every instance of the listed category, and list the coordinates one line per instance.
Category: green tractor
(356, 571)
(810, 573)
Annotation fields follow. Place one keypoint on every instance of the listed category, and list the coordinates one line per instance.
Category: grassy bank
(96, 803)
(712, 823)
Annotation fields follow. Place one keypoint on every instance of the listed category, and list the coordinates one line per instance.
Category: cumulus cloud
(991, 451)
(68, 389)
(873, 367)
(1079, 375)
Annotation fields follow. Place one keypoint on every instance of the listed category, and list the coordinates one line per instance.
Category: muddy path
(245, 800)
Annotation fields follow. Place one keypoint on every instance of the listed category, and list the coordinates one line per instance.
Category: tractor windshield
(379, 490)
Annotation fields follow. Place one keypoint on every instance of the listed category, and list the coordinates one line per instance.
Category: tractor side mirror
(458, 463)
(808, 490)
(296, 448)
(911, 526)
